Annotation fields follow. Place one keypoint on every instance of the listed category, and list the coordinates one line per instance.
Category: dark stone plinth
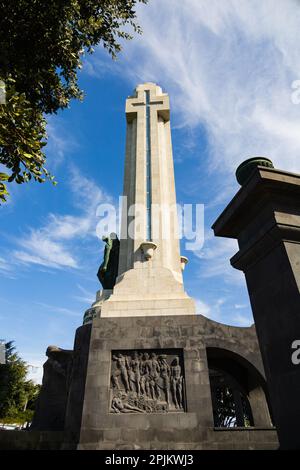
(59, 407)
(264, 217)
(200, 344)
(73, 413)
(201, 341)
(31, 440)
(52, 402)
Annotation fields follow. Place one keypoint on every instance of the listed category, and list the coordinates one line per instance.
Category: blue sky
(228, 68)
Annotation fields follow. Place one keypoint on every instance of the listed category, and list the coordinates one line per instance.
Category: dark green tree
(17, 394)
(41, 49)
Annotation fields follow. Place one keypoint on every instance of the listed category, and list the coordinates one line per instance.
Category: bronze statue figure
(108, 270)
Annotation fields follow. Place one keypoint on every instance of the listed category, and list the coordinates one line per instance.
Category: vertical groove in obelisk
(126, 242)
(148, 169)
(131, 192)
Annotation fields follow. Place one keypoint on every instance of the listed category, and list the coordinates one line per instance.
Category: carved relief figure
(146, 368)
(176, 383)
(165, 375)
(136, 369)
(122, 367)
(154, 376)
(143, 385)
(119, 406)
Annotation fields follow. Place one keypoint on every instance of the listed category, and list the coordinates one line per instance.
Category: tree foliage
(17, 395)
(22, 128)
(42, 45)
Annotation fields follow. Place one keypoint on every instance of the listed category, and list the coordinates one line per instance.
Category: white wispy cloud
(213, 310)
(35, 362)
(60, 310)
(221, 310)
(52, 244)
(39, 249)
(4, 265)
(60, 141)
(202, 308)
(228, 66)
(6, 268)
(86, 296)
(214, 259)
(242, 320)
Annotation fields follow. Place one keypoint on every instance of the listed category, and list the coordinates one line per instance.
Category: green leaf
(4, 177)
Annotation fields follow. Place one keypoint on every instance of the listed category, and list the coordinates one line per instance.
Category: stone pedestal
(264, 217)
(202, 346)
(155, 422)
(145, 291)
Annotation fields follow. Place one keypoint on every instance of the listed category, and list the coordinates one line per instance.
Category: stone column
(150, 280)
(149, 144)
(264, 216)
(259, 408)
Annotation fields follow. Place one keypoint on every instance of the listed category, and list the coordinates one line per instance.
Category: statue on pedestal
(108, 270)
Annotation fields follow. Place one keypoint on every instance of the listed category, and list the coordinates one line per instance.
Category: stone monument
(147, 372)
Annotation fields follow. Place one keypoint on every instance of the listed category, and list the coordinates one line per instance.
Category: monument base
(144, 292)
(199, 365)
(116, 414)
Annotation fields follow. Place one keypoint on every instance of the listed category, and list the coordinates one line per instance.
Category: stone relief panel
(147, 381)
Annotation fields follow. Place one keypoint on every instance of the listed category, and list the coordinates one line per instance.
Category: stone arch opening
(238, 391)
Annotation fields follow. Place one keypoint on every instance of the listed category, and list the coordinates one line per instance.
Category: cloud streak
(214, 260)
(52, 245)
(86, 296)
(60, 141)
(60, 310)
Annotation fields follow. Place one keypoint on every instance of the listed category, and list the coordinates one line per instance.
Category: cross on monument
(148, 102)
(158, 103)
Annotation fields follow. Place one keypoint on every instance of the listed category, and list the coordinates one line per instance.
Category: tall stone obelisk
(150, 266)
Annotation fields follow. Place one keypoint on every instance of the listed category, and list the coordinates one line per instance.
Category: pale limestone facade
(148, 286)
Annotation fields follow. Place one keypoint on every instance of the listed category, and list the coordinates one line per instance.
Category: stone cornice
(263, 188)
